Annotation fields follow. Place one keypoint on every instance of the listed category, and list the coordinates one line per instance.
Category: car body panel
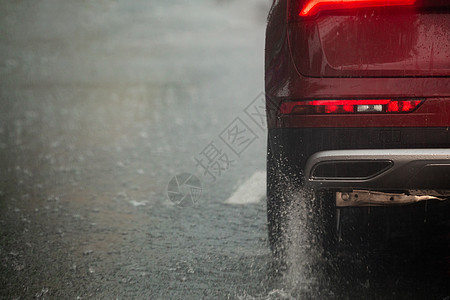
(372, 44)
(378, 54)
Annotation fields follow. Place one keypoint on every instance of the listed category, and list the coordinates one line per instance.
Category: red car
(358, 105)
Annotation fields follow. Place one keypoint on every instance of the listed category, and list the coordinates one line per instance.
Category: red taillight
(364, 106)
(312, 7)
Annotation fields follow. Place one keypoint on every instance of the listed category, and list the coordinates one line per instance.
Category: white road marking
(138, 203)
(253, 190)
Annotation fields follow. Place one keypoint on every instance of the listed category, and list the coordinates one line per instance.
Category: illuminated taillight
(312, 7)
(364, 106)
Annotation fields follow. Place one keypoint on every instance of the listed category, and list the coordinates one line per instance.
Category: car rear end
(358, 97)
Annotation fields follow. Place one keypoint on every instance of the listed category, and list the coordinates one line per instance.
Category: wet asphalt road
(102, 104)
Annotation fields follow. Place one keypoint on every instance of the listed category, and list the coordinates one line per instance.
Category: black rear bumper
(293, 147)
